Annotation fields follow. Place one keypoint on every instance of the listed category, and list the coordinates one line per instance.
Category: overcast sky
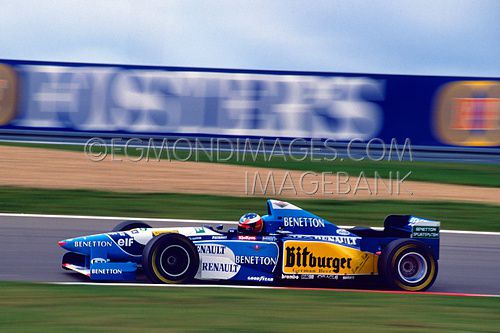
(435, 37)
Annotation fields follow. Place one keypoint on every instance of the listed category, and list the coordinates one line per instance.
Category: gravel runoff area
(48, 168)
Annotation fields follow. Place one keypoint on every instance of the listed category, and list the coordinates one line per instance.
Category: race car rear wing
(411, 226)
(408, 226)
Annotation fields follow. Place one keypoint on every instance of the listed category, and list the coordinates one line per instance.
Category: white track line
(435, 293)
(146, 219)
(90, 217)
(128, 284)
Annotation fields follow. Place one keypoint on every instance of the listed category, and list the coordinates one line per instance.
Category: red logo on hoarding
(467, 113)
(476, 114)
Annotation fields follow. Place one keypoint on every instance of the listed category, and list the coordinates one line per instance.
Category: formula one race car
(292, 245)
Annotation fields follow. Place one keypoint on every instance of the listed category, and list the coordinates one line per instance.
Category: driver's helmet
(250, 223)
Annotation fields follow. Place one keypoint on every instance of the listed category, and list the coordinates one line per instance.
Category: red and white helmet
(250, 223)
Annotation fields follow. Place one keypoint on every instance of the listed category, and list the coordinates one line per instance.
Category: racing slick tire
(170, 258)
(129, 225)
(408, 265)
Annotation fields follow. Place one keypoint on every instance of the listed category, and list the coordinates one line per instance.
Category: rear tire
(170, 258)
(129, 225)
(408, 265)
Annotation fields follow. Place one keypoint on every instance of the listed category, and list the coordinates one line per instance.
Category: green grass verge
(453, 215)
(449, 173)
(51, 308)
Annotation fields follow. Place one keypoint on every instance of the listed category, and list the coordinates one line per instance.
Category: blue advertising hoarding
(431, 111)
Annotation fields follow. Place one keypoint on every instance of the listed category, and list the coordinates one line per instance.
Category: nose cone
(62, 243)
(85, 244)
(79, 244)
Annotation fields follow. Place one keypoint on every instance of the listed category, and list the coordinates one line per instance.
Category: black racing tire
(129, 225)
(408, 265)
(170, 258)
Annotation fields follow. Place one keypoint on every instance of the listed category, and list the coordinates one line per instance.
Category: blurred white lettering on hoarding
(156, 101)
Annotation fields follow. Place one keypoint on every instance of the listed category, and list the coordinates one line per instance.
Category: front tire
(129, 225)
(170, 258)
(408, 265)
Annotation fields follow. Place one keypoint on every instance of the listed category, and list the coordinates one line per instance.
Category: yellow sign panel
(306, 257)
(159, 232)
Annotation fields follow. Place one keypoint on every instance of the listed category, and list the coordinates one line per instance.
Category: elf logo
(125, 242)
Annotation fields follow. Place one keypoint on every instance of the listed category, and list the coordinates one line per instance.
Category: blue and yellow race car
(291, 244)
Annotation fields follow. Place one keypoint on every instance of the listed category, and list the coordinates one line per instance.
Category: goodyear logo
(302, 257)
(467, 113)
(8, 94)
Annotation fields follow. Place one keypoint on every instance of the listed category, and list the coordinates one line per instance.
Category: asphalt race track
(469, 263)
